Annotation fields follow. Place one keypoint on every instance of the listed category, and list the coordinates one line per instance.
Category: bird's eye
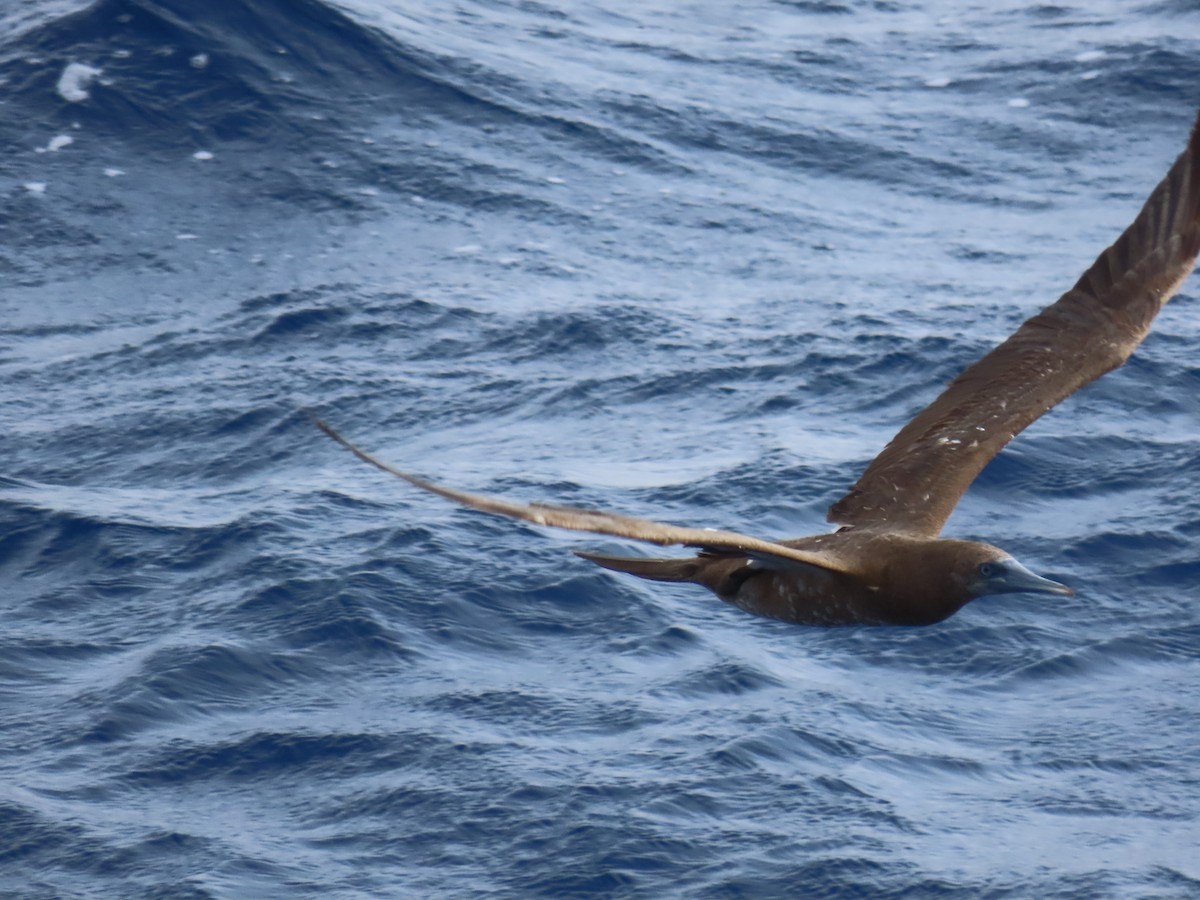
(987, 570)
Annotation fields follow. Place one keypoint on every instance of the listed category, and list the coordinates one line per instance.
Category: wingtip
(1193, 144)
(328, 429)
(362, 454)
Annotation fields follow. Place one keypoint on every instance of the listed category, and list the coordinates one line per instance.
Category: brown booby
(886, 563)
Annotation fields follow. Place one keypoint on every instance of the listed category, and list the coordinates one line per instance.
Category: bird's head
(929, 580)
(983, 569)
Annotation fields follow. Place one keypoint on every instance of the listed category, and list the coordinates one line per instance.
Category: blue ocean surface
(691, 261)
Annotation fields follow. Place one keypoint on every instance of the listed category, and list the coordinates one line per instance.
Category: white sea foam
(72, 84)
(57, 143)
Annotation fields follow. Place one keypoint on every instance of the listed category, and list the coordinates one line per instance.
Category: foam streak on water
(697, 263)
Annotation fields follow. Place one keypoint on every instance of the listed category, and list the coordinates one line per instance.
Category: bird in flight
(886, 564)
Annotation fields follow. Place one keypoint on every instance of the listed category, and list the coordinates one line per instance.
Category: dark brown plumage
(886, 563)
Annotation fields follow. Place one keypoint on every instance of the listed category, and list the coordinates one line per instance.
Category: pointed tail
(652, 569)
(723, 574)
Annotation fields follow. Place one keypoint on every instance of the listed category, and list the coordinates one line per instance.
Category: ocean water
(693, 261)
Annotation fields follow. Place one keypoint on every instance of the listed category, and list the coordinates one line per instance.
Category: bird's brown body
(887, 563)
(897, 579)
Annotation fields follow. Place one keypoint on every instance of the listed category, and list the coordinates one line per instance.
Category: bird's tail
(721, 573)
(652, 569)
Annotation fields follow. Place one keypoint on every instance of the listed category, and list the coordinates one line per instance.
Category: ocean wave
(692, 265)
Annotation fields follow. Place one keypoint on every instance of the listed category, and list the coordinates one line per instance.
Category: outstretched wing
(603, 522)
(915, 483)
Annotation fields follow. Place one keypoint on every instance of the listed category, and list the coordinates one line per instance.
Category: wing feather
(915, 483)
(599, 522)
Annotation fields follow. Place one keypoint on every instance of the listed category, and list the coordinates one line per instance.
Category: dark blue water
(690, 261)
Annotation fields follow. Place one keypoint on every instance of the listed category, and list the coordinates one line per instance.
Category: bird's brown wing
(604, 522)
(915, 483)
